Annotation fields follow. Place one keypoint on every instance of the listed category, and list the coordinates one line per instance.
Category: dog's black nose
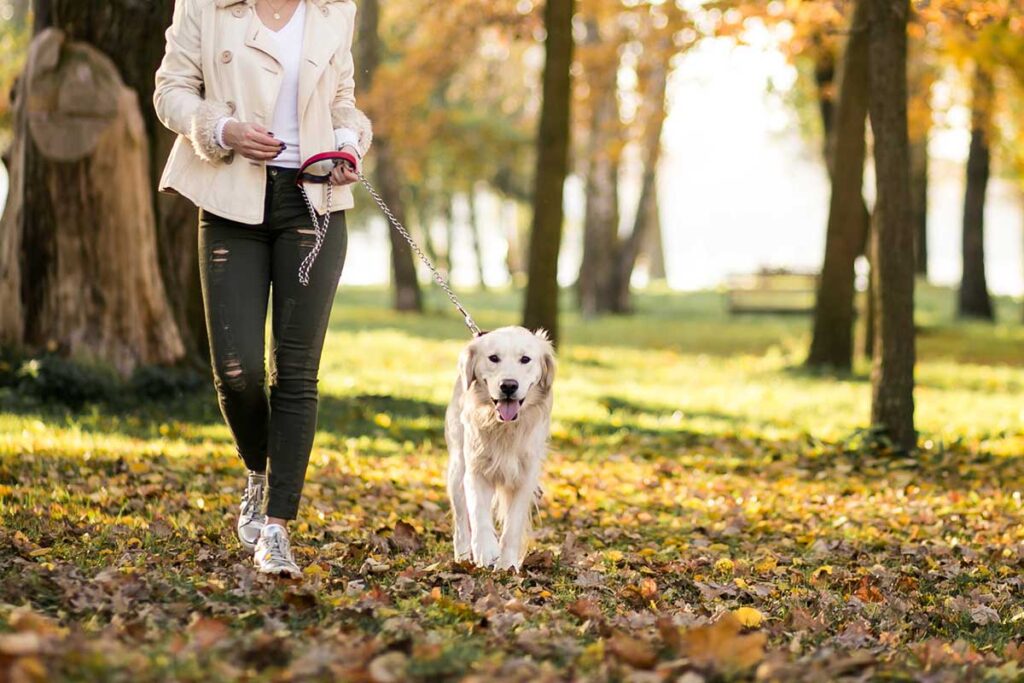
(509, 387)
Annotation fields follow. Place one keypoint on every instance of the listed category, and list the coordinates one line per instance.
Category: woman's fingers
(342, 175)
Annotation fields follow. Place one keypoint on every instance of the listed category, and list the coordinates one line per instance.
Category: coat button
(225, 56)
(231, 106)
(238, 12)
(324, 10)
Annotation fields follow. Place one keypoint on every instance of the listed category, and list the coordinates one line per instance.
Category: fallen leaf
(983, 615)
(632, 651)
(206, 632)
(749, 617)
(406, 538)
(722, 647)
(585, 610)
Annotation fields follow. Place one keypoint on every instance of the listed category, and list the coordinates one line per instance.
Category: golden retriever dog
(497, 428)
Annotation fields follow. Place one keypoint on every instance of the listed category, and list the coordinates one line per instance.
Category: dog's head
(512, 365)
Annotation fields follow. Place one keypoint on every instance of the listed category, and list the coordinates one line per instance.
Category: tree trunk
(832, 339)
(892, 377)
(475, 227)
(653, 248)
(407, 294)
(124, 31)
(541, 306)
(974, 297)
(406, 291)
(824, 79)
(646, 220)
(424, 212)
(449, 231)
(868, 346)
(514, 229)
(598, 269)
(921, 73)
(82, 210)
(919, 202)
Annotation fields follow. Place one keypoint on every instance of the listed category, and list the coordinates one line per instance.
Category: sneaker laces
(253, 496)
(279, 548)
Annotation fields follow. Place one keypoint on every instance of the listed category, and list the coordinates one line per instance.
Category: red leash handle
(321, 159)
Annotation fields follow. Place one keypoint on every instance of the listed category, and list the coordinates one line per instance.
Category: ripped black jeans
(240, 264)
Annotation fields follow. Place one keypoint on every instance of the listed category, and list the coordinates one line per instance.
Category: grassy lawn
(711, 512)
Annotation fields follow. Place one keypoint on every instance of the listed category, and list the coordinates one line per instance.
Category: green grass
(695, 468)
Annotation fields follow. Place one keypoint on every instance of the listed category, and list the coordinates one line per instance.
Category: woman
(253, 87)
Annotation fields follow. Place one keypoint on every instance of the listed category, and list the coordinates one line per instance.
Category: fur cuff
(204, 131)
(350, 117)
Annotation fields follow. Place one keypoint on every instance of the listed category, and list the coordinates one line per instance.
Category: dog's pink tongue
(508, 410)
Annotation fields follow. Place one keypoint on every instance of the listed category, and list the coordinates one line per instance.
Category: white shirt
(285, 123)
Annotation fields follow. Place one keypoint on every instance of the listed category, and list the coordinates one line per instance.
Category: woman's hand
(343, 174)
(252, 141)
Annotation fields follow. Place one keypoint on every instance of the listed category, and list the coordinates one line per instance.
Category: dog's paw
(508, 563)
(486, 552)
(463, 551)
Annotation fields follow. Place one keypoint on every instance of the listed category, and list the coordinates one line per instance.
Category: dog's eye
(524, 360)
(493, 358)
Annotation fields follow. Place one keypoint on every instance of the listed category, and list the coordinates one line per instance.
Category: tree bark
(654, 247)
(974, 301)
(832, 337)
(476, 228)
(824, 79)
(892, 377)
(124, 30)
(645, 223)
(919, 202)
(541, 306)
(406, 292)
(921, 73)
(82, 210)
(598, 270)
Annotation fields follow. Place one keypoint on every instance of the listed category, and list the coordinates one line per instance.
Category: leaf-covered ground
(711, 512)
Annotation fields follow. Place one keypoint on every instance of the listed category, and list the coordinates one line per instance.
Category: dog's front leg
(460, 511)
(484, 540)
(517, 523)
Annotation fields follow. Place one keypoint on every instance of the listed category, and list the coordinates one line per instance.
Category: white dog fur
(497, 442)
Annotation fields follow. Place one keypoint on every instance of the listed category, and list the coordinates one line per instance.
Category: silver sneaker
(251, 518)
(274, 553)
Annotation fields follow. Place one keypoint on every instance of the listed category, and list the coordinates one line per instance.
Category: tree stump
(80, 215)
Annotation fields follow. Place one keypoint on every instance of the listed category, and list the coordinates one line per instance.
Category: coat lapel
(319, 42)
(261, 38)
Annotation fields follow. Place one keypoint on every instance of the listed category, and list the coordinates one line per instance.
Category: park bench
(771, 291)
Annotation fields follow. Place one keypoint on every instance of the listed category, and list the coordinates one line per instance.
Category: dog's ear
(467, 366)
(547, 372)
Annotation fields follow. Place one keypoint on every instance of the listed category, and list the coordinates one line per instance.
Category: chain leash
(319, 230)
(307, 263)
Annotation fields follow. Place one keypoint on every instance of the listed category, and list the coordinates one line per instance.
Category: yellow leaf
(724, 565)
(749, 617)
(614, 555)
(382, 420)
(823, 569)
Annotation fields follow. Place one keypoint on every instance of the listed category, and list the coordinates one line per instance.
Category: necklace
(277, 10)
